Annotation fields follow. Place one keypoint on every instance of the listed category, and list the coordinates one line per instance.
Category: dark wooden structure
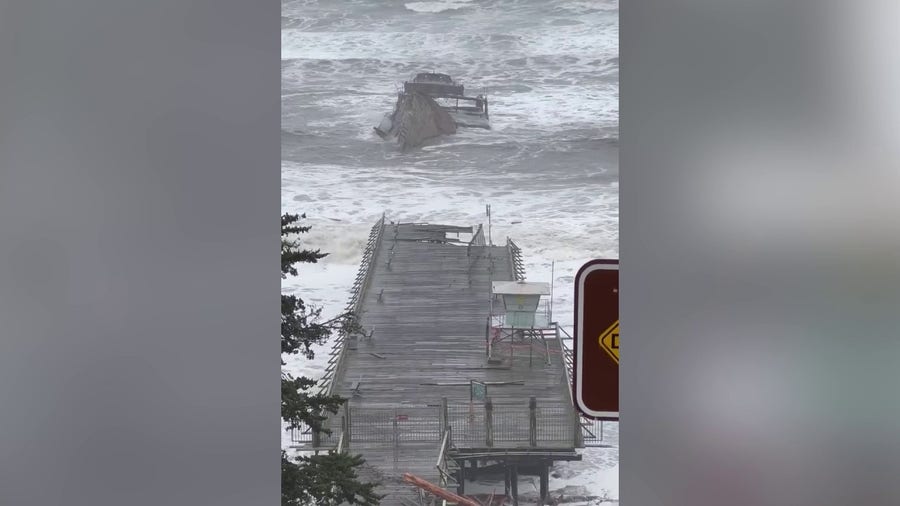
(423, 300)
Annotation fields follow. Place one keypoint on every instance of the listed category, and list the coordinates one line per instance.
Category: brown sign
(596, 378)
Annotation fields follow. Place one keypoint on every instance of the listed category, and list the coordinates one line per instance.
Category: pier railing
(515, 260)
(478, 238)
(563, 337)
(464, 425)
(335, 365)
(511, 425)
(474, 249)
(591, 430)
(445, 465)
(338, 351)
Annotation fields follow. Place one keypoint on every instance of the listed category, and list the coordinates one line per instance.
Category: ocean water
(548, 167)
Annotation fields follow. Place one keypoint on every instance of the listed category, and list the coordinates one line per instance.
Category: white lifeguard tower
(520, 317)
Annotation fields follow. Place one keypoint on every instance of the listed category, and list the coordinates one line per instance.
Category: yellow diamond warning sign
(609, 341)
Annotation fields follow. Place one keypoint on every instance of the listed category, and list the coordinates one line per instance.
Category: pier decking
(423, 299)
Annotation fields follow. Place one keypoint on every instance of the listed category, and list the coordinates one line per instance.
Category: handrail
(338, 351)
(512, 260)
(444, 475)
(363, 278)
(477, 240)
(478, 237)
(440, 459)
(563, 331)
(515, 260)
(566, 354)
(568, 364)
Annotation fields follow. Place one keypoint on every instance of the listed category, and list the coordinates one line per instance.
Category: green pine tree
(324, 479)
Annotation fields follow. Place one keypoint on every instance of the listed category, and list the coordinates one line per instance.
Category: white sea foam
(407, 46)
(435, 7)
(567, 226)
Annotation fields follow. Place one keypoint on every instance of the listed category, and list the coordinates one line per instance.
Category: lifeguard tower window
(520, 301)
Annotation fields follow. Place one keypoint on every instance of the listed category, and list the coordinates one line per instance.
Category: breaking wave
(436, 7)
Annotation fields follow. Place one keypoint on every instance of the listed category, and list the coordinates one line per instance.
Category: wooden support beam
(506, 482)
(532, 421)
(461, 478)
(489, 423)
(545, 482)
(514, 484)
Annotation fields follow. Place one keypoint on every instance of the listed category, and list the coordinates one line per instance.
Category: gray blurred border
(139, 244)
(760, 253)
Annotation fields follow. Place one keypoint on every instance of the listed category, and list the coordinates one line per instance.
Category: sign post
(477, 391)
(596, 346)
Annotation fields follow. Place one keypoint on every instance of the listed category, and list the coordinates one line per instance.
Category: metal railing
(475, 250)
(512, 425)
(518, 344)
(591, 430)
(398, 426)
(445, 465)
(460, 425)
(515, 260)
(335, 364)
(568, 357)
(478, 238)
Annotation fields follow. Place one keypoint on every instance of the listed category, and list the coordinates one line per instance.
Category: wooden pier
(423, 299)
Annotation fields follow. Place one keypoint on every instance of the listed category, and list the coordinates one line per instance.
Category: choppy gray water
(551, 160)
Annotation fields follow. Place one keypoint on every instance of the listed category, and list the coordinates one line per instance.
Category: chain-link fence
(555, 423)
(512, 425)
(467, 423)
(471, 425)
(395, 425)
(542, 425)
